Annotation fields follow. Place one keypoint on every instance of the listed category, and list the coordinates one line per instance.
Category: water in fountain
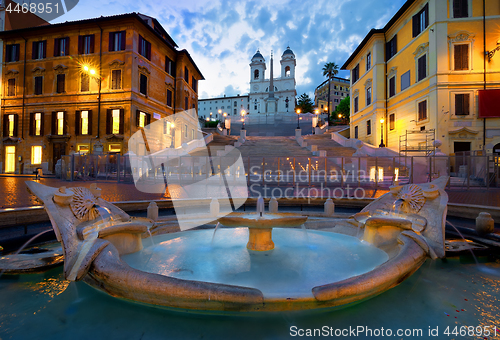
(215, 230)
(304, 231)
(26, 244)
(89, 238)
(358, 233)
(151, 237)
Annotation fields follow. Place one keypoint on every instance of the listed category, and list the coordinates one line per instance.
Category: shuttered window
(460, 8)
(38, 85)
(420, 20)
(61, 80)
(392, 86)
(116, 79)
(461, 57)
(391, 48)
(462, 104)
(422, 67)
(143, 86)
(422, 110)
(117, 41)
(144, 48)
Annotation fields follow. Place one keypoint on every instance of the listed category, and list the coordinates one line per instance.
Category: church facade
(272, 95)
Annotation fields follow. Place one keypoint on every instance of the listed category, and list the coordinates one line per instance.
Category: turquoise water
(299, 262)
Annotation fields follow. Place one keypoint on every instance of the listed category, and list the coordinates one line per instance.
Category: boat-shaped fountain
(254, 265)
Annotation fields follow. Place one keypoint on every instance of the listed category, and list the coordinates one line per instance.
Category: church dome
(288, 51)
(258, 56)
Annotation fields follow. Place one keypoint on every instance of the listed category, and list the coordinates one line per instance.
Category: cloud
(222, 35)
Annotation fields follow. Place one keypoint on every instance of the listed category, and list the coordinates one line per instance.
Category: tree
(330, 70)
(344, 109)
(305, 104)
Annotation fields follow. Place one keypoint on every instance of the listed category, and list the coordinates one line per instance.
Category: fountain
(276, 271)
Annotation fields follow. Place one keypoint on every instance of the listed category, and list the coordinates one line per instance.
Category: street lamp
(298, 114)
(382, 145)
(225, 114)
(210, 116)
(243, 119)
(220, 111)
(92, 73)
(317, 115)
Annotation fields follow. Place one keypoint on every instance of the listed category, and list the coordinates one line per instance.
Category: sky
(222, 36)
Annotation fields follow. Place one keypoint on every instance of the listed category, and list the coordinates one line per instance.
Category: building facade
(215, 107)
(339, 89)
(278, 98)
(88, 86)
(429, 72)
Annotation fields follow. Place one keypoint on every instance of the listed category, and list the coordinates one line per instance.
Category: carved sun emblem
(413, 198)
(83, 204)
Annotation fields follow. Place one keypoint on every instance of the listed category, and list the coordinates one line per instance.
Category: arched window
(256, 74)
(287, 71)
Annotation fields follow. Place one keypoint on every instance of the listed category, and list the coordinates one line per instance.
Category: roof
(342, 80)
(288, 51)
(192, 62)
(374, 31)
(258, 55)
(156, 28)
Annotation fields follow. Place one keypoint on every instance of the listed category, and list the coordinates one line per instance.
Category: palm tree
(330, 70)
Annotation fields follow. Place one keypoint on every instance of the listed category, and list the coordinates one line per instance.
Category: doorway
(10, 159)
(461, 147)
(58, 150)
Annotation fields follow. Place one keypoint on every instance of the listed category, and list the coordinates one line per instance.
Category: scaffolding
(417, 142)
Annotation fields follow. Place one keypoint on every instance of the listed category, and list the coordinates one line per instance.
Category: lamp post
(225, 114)
(340, 117)
(382, 145)
(317, 115)
(210, 116)
(243, 119)
(220, 111)
(92, 73)
(298, 114)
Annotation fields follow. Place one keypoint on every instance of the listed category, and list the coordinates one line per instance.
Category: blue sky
(223, 35)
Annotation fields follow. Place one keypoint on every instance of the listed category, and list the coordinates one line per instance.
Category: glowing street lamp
(298, 114)
(382, 145)
(225, 114)
(243, 119)
(220, 111)
(92, 72)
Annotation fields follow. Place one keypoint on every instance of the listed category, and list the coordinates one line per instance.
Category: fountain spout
(397, 205)
(260, 205)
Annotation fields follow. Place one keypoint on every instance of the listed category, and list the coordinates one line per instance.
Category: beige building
(88, 86)
(430, 73)
(339, 89)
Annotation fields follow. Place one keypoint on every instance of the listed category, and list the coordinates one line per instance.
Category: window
(36, 124)
(462, 104)
(12, 53)
(355, 132)
(460, 8)
(422, 110)
(144, 48)
(61, 47)
(186, 103)
(115, 121)
(368, 96)
(391, 48)
(142, 119)
(86, 44)
(287, 71)
(194, 84)
(185, 131)
(60, 123)
(10, 125)
(83, 148)
(461, 57)
(356, 104)
(235, 103)
(116, 79)
(368, 62)
(143, 86)
(422, 67)
(61, 79)
(355, 74)
(405, 80)
(39, 50)
(420, 20)
(36, 154)
(85, 82)
(368, 127)
(392, 121)
(392, 86)
(83, 122)
(169, 98)
(170, 66)
(114, 148)
(38, 85)
(116, 41)
(256, 74)
(186, 75)
(11, 87)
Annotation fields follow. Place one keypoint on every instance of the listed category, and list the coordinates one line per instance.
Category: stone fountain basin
(112, 275)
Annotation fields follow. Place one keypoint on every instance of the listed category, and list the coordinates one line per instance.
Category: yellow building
(423, 76)
(88, 86)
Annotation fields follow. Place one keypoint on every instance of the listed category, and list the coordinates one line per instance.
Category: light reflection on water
(439, 294)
